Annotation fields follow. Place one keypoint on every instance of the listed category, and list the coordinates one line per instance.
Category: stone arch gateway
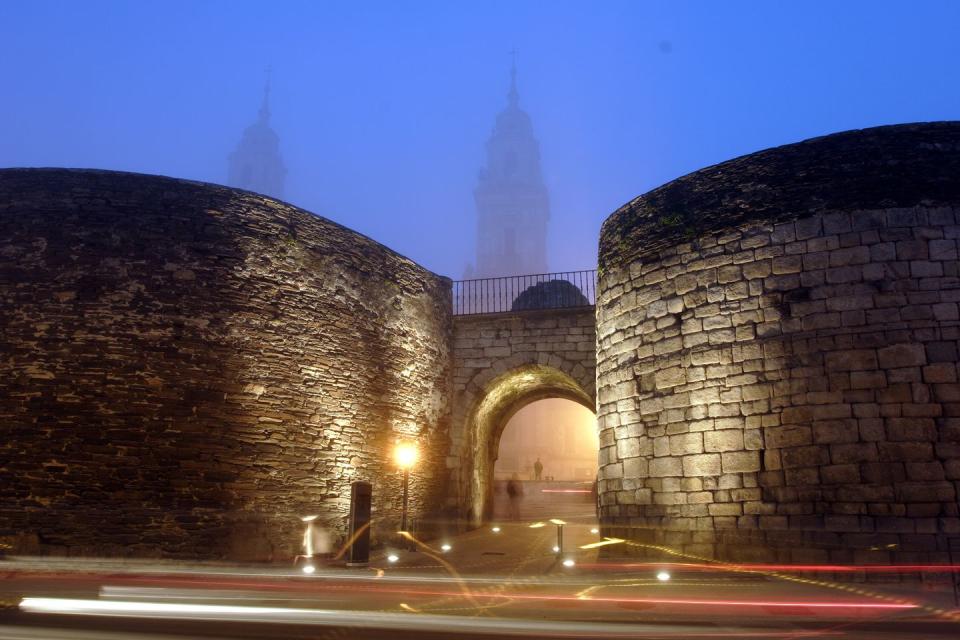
(502, 363)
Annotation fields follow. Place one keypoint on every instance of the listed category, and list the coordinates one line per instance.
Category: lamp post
(405, 455)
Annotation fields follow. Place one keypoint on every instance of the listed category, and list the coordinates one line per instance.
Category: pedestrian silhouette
(537, 469)
(515, 493)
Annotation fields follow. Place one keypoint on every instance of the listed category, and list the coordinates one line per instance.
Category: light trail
(784, 568)
(695, 602)
(603, 543)
(405, 621)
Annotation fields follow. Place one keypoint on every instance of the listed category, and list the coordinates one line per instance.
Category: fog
(560, 433)
(383, 108)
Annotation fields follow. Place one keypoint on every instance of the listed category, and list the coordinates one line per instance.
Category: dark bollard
(360, 498)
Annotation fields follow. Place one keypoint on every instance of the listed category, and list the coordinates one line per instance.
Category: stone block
(671, 377)
(728, 509)
(925, 492)
(905, 451)
(943, 249)
(830, 431)
(808, 228)
(809, 456)
(901, 355)
(853, 453)
(701, 465)
(912, 250)
(741, 461)
(686, 443)
(664, 467)
(840, 474)
(851, 360)
(932, 470)
(787, 436)
(868, 379)
(635, 468)
(946, 311)
(849, 256)
(726, 440)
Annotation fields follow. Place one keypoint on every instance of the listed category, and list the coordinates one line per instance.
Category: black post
(360, 499)
(406, 483)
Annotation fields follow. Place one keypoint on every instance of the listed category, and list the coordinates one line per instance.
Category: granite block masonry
(777, 353)
(186, 369)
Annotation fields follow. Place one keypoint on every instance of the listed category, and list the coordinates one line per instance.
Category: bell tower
(256, 165)
(512, 202)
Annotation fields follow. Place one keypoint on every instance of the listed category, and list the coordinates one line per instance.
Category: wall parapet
(889, 167)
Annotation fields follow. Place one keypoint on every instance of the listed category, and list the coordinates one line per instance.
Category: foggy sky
(383, 108)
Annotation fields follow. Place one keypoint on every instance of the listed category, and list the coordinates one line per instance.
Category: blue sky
(383, 108)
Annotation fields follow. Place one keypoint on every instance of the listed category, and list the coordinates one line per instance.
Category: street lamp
(405, 455)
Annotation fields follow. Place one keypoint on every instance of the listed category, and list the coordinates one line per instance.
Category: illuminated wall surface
(187, 369)
(777, 358)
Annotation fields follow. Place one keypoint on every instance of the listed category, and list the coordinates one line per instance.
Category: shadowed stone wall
(186, 369)
(777, 359)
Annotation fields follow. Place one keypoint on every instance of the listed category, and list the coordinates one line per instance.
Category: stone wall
(186, 369)
(501, 363)
(777, 359)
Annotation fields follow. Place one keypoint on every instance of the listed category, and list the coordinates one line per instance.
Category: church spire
(513, 206)
(256, 165)
(265, 105)
(513, 96)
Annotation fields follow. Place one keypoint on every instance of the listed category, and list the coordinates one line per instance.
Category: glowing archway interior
(501, 398)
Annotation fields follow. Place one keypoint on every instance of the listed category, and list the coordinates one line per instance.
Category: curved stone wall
(777, 352)
(187, 369)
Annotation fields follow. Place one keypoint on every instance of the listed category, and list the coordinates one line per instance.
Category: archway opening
(548, 452)
(499, 400)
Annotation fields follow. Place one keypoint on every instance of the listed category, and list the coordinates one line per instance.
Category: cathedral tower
(256, 165)
(512, 202)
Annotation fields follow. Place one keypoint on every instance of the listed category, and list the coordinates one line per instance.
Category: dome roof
(513, 121)
(260, 136)
(552, 294)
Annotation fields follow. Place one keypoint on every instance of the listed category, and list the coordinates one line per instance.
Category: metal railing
(563, 290)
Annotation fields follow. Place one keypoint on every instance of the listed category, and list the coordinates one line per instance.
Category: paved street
(489, 583)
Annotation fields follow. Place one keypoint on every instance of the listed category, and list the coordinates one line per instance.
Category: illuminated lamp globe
(405, 455)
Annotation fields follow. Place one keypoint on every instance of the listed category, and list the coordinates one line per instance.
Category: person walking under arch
(537, 469)
(515, 493)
